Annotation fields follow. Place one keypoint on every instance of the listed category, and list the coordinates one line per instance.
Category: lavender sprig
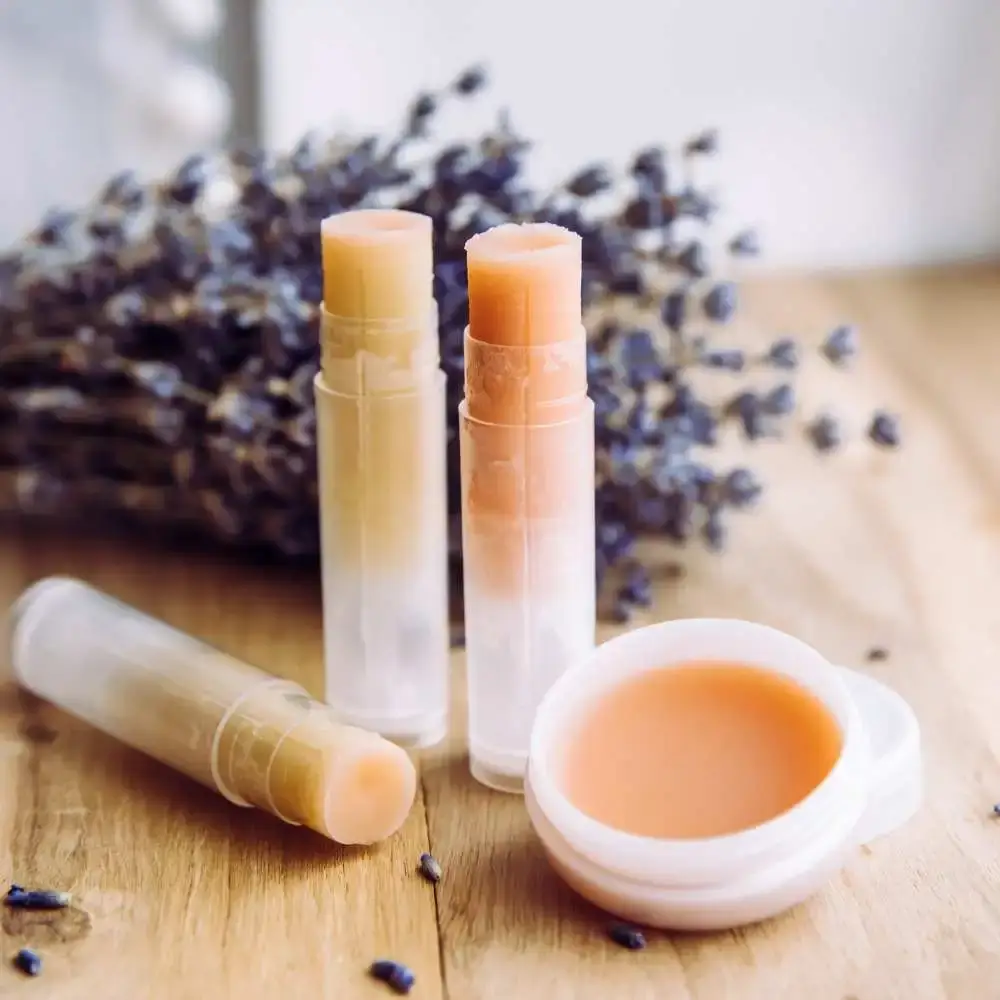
(157, 348)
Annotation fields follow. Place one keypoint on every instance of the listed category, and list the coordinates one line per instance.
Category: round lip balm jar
(720, 882)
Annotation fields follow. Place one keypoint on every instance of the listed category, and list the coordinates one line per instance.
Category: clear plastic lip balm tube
(527, 454)
(380, 410)
(255, 739)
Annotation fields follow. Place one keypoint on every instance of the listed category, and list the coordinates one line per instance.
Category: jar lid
(896, 768)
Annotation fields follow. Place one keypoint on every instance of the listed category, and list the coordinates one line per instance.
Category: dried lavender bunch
(157, 348)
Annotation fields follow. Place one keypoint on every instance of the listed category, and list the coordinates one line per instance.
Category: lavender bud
(745, 244)
(825, 433)
(720, 302)
(841, 345)
(780, 401)
(730, 359)
(783, 353)
(884, 430)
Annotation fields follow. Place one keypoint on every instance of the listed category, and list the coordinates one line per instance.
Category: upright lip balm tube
(527, 456)
(256, 739)
(380, 411)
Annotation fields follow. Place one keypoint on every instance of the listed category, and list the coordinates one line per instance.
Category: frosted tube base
(528, 540)
(385, 573)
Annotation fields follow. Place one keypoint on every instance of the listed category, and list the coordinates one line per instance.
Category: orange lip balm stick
(380, 411)
(527, 455)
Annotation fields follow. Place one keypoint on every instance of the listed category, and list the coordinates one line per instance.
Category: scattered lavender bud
(747, 408)
(996, 809)
(627, 283)
(729, 359)
(713, 530)
(29, 962)
(54, 227)
(783, 353)
(394, 974)
(706, 143)
(429, 867)
(740, 488)
(779, 401)
(825, 433)
(627, 936)
(884, 430)
(694, 260)
(123, 191)
(471, 81)
(720, 302)
(36, 899)
(188, 180)
(841, 345)
(423, 107)
(589, 182)
(698, 205)
(745, 244)
(673, 310)
(876, 654)
(640, 357)
(638, 587)
(650, 168)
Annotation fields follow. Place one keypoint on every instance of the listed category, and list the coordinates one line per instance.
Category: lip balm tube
(380, 410)
(254, 738)
(527, 456)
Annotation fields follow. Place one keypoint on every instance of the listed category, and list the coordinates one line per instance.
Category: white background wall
(90, 87)
(855, 132)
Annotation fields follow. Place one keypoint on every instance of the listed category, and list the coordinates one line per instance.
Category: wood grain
(181, 896)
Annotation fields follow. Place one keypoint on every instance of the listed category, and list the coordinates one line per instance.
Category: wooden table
(182, 896)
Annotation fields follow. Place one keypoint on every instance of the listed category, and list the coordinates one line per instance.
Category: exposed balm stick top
(378, 329)
(524, 285)
(526, 348)
(256, 739)
(377, 265)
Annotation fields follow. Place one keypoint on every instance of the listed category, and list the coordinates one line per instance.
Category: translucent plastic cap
(256, 739)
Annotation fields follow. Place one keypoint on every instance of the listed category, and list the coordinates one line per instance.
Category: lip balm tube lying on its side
(527, 454)
(380, 410)
(254, 738)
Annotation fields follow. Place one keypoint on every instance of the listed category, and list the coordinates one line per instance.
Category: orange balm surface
(699, 750)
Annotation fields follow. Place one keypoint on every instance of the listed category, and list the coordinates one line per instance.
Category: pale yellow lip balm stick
(254, 738)
(380, 412)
